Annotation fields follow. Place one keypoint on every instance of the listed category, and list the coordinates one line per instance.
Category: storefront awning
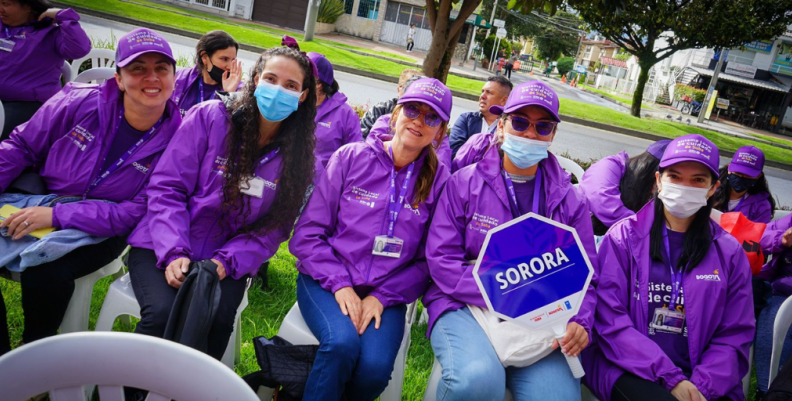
(754, 83)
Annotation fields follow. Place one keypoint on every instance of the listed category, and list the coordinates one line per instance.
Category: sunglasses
(430, 118)
(543, 128)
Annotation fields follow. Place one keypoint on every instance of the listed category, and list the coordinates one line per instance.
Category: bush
(329, 11)
(565, 64)
(684, 90)
(489, 43)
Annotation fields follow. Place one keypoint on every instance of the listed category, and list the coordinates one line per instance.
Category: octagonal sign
(533, 271)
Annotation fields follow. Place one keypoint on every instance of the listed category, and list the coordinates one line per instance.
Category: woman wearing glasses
(514, 177)
(360, 245)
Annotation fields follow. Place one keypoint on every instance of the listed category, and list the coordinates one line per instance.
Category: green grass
(625, 100)
(263, 316)
(768, 138)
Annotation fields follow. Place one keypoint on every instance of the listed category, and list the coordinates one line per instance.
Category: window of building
(368, 9)
(348, 5)
(392, 12)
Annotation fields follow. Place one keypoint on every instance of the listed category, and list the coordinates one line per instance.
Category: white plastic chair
(95, 75)
(780, 214)
(61, 365)
(781, 325)
(99, 58)
(121, 301)
(296, 331)
(66, 72)
(571, 167)
(2, 116)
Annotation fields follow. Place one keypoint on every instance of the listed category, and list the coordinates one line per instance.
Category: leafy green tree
(565, 64)
(653, 30)
(555, 41)
(489, 43)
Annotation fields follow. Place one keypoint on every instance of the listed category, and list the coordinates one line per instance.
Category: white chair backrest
(99, 58)
(571, 167)
(62, 364)
(97, 75)
(781, 325)
(66, 72)
(780, 214)
(2, 115)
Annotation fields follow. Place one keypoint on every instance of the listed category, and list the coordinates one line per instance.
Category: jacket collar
(330, 104)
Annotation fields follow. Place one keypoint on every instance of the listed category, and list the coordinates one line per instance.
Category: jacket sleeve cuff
(230, 270)
(383, 300)
(582, 323)
(173, 255)
(339, 285)
(55, 221)
(671, 382)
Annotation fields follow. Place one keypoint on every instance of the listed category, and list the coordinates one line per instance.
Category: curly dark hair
(296, 140)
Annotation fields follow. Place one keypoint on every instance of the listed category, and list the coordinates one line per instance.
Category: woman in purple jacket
(35, 40)
(90, 143)
(618, 186)
(743, 186)
(672, 260)
(776, 241)
(216, 69)
(360, 246)
(513, 178)
(228, 189)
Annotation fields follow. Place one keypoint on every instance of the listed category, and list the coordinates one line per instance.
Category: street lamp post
(310, 19)
(707, 99)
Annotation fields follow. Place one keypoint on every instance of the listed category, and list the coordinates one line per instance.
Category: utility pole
(724, 53)
(492, 18)
(310, 19)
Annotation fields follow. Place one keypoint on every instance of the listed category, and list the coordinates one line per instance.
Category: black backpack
(284, 367)
(781, 387)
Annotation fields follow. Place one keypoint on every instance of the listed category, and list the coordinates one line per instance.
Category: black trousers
(156, 297)
(5, 342)
(47, 288)
(17, 113)
(410, 45)
(632, 388)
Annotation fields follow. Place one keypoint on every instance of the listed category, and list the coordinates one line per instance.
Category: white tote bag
(515, 345)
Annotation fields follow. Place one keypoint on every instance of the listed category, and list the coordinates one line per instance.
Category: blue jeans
(472, 370)
(764, 342)
(359, 366)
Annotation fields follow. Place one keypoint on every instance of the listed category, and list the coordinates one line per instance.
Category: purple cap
(534, 93)
(748, 160)
(139, 42)
(691, 148)
(431, 92)
(324, 69)
(656, 149)
(289, 41)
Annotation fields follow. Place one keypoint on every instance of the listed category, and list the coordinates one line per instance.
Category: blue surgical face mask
(524, 152)
(276, 102)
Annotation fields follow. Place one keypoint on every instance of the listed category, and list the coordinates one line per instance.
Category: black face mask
(216, 74)
(741, 184)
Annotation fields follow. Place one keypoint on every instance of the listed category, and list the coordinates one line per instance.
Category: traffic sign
(581, 69)
(498, 23)
(501, 33)
(535, 272)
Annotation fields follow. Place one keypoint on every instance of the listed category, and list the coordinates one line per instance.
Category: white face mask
(682, 201)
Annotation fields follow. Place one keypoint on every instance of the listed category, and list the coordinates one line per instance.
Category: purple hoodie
(778, 270)
(600, 186)
(337, 124)
(333, 239)
(68, 139)
(475, 200)
(382, 126)
(185, 79)
(756, 207)
(31, 72)
(473, 150)
(185, 196)
(718, 337)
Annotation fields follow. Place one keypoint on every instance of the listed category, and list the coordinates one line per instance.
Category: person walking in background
(410, 38)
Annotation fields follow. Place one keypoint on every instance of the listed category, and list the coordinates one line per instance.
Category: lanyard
(515, 208)
(393, 207)
(676, 276)
(200, 88)
(125, 156)
(266, 159)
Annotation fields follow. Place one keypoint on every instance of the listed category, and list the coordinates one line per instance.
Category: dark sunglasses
(543, 128)
(430, 118)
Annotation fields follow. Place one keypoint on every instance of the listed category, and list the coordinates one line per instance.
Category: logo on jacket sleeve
(325, 124)
(709, 277)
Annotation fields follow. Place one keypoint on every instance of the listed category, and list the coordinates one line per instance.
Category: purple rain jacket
(777, 271)
(68, 139)
(473, 150)
(718, 336)
(31, 72)
(474, 201)
(337, 124)
(756, 207)
(382, 126)
(600, 186)
(185, 79)
(185, 196)
(334, 237)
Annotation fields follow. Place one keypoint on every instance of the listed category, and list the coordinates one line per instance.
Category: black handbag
(284, 367)
(195, 307)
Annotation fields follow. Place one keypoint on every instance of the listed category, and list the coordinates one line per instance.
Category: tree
(558, 37)
(445, 33)
(653, 30)
(489, 43)
(565, 64)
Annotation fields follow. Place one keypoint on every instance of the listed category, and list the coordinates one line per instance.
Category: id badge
(387, 246)
(253, 186)
(7, 45)
(668, 320)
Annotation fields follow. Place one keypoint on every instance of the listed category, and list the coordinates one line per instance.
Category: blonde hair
(407, 74)
(425, 180)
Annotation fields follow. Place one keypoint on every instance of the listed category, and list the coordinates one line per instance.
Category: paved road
(579, 141)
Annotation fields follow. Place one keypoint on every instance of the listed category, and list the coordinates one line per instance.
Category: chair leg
(77, 313)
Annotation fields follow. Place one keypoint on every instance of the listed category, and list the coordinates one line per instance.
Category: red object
(748, 234)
